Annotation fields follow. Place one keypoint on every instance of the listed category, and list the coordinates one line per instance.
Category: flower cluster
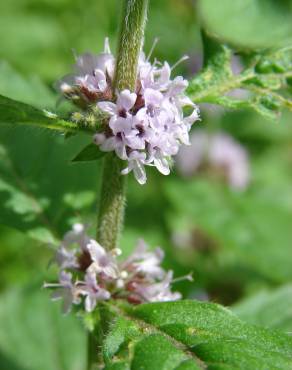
(89, 273)
(220, 153)
(145, 126)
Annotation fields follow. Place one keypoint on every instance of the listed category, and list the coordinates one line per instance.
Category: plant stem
(92, 352)
(112, 202)
(113, 187)
(130, 43)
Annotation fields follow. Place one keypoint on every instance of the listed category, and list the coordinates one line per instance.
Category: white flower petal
(90, 303)
(153, 97)
(192, 118)
(107, 107)
(164, 76)
(140, 173)
(108, 145)
(106, 48)
(126, 100)
(99, 138)
(162, 165)
(100, 79)
(95, 250)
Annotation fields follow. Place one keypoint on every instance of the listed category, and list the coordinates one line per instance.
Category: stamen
(107, 46)
(182, 59)
(75, 55)
(124, 274)
(52, 285)
(156, 63)
(188, 277)
(116, 252)
(152, 48)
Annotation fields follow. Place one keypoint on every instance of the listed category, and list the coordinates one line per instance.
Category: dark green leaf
(16, 113)
(193, 335)
(157, 352)
(41, 194)
(90, 153)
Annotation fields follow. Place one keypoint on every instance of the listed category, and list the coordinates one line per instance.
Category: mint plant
(136, 116)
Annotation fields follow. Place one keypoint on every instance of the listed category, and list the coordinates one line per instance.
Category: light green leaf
(269, 308)
(29, 90)
(90, 153)
(249, 23)
(259, 86)
(192, 335)
(34, 335)
(234, 238)
(77, 201)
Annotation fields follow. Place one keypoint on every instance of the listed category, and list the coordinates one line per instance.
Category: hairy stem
(112, 202)
(130, 43)
(113, 186)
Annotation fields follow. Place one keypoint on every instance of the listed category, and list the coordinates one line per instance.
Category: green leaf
(157, 352)
(269, 308)
(192, 335)
(34, 335)
(122, 331)
(261, 89)
(17, 113)
(90, 153)
(40, 191)
(41, 194)
(29, 90)
(234, 238)
(249, 23)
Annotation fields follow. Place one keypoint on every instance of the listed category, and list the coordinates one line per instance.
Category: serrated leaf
(194, 335)
(268, 308)
(262, 92)
(90, 153)
(122, 331)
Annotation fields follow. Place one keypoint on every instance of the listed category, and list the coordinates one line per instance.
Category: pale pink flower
(98, 275)
(218, 152)
(93, 292)
(159, 291)
(65, 290)
(146, 127)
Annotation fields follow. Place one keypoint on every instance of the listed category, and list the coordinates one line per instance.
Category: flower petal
(126, 100)
(140, 173)
(153, 97)
(107, 107)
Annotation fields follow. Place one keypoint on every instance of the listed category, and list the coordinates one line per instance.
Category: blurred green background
(237, 243)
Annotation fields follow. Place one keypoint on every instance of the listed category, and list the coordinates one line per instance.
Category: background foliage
(240, 245)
